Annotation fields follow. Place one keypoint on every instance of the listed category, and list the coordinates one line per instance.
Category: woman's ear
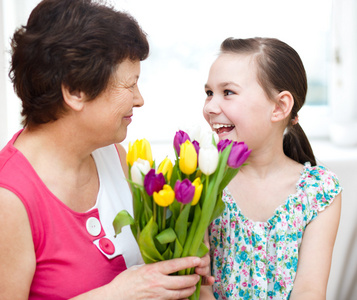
(74, 99)
(283, 106)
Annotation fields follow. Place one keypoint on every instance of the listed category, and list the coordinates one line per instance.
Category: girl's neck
(264, 164)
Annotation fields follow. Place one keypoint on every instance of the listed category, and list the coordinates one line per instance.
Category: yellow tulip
(140, 149)
(164, 197)
(188, 158)
(198, 190)
(165, 168)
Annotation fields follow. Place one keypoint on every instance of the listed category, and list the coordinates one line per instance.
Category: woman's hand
(153, 281)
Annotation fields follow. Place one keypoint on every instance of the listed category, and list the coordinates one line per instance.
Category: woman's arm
(316, 254)
(149, 282)
(17, 256)
(18, 264)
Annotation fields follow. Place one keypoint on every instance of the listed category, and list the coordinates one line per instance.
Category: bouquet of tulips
(174, 204)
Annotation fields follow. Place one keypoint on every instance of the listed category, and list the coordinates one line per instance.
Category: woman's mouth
(222, 128)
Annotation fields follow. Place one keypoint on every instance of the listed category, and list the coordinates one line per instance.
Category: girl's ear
(74, 99)
(283, 106)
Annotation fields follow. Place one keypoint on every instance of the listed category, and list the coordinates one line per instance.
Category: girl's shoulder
(320, 185)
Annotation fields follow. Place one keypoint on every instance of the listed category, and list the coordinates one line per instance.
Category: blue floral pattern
(258, 260)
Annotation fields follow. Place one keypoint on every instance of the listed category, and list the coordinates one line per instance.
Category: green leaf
(123, 218)
(209, 202)
(202, 250)
(167, 254)
(182, 223)
(147, 244)
(228, 176)
(166, 236)
(175, 209)
(192, 231)
(174, 175)
(178, 249)
(218, 209)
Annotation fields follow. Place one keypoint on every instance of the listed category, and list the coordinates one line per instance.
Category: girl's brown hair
(279, 69)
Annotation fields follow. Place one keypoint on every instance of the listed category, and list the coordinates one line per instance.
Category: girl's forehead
(236, 58)
(234, 64)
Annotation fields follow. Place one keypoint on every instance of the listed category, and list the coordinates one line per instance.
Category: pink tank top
(75, 252)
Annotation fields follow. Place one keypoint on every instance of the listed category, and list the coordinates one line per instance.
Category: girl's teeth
(217, 126)
(221, 128)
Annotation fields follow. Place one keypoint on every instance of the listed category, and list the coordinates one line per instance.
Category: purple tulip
(179, 139)
(184, 191)
(153, 182)
(197, 147)
(238, 155)
(223, 144)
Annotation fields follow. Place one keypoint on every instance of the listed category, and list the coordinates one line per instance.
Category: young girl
(276, 235)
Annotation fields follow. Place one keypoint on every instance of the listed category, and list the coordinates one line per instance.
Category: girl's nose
(212, 106)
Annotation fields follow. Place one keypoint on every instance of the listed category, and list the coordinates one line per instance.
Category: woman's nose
(138, 99)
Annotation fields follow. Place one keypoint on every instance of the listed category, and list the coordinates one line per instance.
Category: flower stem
(164, 218)
(154, 211)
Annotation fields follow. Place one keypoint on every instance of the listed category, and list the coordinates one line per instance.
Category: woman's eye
(132, 87)
(228, 93)
(209, 93)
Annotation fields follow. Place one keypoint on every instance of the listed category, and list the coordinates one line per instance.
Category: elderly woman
(75, 66)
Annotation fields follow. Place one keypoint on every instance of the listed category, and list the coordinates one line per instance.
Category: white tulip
(206, 138)
(138, 170)
(208, 159)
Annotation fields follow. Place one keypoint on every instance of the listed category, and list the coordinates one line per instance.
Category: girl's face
(236, 106)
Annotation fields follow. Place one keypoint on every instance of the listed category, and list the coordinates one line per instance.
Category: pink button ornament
(106, 246)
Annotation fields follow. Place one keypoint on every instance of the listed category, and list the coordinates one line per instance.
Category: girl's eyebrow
(224, 84)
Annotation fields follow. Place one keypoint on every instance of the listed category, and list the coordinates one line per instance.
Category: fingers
(182, 292)
(203, 268)
(177, 264)
(206, 239)
(207, 280)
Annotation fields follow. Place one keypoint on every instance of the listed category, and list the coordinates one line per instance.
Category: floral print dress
(258, 260)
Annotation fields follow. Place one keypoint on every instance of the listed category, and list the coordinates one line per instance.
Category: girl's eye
(228, 92)
(209, 93)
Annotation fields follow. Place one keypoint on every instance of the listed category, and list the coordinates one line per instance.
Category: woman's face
(236, 106)
(112, 110)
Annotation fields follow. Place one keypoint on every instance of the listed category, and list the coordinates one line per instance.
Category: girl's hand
(204, 270)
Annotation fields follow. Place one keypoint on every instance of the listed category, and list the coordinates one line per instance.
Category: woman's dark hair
(77, 43)
(279, 69)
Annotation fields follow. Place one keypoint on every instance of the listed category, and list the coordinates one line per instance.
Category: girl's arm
(316, 254)
(206, 293)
